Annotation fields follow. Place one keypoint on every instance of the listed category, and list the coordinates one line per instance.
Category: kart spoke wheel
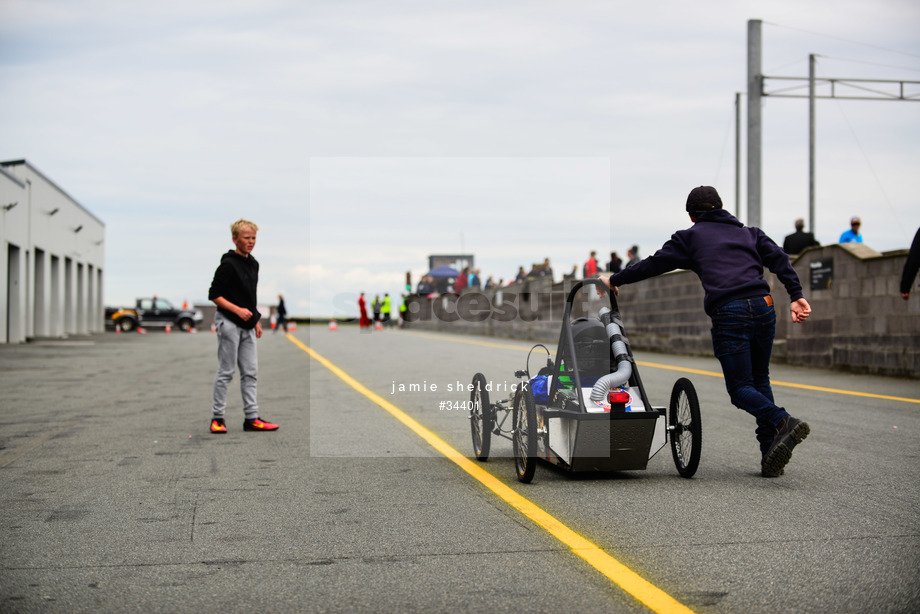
(481, 418)
(525, 435)
(684, 426)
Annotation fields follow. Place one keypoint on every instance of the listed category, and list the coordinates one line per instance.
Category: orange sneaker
(218, 426)
(259, 425)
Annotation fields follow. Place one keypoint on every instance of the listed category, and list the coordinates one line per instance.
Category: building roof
(31, 167)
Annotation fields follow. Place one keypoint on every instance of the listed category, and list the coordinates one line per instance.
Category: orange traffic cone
(378, 326)
(168, 329)
(141, 330)
(118, 329)
(213, 327)
(333, 325)
(292, 325)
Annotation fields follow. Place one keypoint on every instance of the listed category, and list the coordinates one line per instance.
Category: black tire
(525, 435)
(126, 324)
(684, 427)
(481, 418)
(185, 325)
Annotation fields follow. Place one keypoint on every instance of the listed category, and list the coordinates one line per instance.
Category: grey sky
(364, 136)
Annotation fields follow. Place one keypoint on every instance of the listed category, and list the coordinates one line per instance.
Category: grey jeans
(235, 347)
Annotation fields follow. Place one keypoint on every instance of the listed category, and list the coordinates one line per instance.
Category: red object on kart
(618, 397)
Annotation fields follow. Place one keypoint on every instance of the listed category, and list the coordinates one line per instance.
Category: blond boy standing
(233, 290)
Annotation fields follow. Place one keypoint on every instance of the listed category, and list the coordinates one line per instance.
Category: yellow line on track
(854, 393)
(644, 591)
(655, 365)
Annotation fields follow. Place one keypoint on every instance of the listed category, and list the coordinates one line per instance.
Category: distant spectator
(463, 280)
(910, 267)
(364, 321)
(375, 306)
(590, 268)
(799, 240)
(521, 276)
(386, 310)
(633, 254)
(546, 270)
(403, 310)
(475, 281)
(281, 315)
(615, 265)
(425, 286)
(852, 235)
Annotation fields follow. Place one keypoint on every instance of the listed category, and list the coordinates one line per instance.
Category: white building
(51, 259)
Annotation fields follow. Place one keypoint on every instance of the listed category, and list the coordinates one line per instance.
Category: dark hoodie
(236, 279)
(727, 256)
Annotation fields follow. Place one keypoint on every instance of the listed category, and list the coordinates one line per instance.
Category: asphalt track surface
(116, 498)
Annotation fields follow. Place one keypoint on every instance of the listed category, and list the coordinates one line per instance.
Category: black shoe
(790, 432)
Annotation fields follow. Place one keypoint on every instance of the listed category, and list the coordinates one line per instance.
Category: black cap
(703, 198)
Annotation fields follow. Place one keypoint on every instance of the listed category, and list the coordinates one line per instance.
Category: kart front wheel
(525, 435)
(481, 418)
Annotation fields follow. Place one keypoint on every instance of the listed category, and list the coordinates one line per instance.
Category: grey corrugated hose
(624, 366)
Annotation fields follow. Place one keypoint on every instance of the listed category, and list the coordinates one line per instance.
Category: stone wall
(859, 322)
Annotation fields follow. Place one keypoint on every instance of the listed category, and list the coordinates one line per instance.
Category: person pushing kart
(729, 258)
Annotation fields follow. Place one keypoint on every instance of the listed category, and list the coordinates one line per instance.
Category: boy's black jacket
(236, 279)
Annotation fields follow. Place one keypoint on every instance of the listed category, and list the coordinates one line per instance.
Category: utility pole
(738, 155)
(755, 90)
(811, 143)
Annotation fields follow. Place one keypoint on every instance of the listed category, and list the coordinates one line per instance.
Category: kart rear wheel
(684, 427)
(481, 418)
(525, 435)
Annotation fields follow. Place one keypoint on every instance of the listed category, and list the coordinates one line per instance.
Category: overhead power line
(879, 64)
(846, 40)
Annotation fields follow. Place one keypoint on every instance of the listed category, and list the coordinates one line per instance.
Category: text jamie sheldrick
(457, 386)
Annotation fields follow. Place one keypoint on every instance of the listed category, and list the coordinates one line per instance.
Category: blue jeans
(742, 338)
